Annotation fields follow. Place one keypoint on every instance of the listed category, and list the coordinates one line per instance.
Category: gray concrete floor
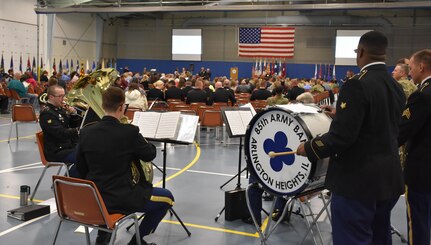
(195, 174)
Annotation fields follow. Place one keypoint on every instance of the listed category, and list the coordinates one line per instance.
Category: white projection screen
(187, 44)
(346, 42)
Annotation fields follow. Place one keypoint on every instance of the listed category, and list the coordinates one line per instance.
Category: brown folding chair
(40, 146)
(21, 113)
(16, 98)
(212, 119)
(79, 201)
(130, 113)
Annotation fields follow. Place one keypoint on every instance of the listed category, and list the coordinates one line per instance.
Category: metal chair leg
(87, 235)
(38, 182)
(10, 132)
(56, 233)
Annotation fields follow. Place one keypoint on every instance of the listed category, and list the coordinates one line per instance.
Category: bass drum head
(277, 130)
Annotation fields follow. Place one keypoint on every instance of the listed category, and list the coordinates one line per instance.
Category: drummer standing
(364, 174)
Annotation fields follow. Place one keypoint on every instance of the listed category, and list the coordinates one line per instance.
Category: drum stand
(264, 235)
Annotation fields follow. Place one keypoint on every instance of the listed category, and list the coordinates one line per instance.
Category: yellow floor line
(17, 197)
(213, 228)
(198, 153)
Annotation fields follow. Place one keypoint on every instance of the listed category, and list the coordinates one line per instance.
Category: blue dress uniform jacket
(362, 139)
(59, 131)
(105, 153)
(415, 129)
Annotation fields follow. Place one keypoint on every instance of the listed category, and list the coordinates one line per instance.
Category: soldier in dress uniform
(364, 173)
(415, 129)
(60, 127)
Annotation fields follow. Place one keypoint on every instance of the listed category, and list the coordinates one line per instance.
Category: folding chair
(88, 210)
(212, 119)
(40, 146)
(21, 113)
(17, 99)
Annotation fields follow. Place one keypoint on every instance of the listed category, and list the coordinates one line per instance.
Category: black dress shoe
(103, 237)
(143, 242)
(249, 220)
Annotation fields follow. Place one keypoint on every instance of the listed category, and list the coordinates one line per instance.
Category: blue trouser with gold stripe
(360, 222)
(418, 216)
(155, 209)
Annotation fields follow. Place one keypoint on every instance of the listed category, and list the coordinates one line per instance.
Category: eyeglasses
(356, 51)
(59, 96)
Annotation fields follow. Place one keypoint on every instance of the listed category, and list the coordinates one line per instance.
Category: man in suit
(295, 90)
(105, 153)
(415, 129)
(197, 94)
(173, 92)
(222, 94)
(364, 174)
(261, 93)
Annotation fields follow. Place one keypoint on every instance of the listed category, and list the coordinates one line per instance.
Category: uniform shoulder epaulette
(362, 74)
(424, 86)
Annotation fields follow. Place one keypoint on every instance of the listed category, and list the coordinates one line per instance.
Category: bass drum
(281, 130)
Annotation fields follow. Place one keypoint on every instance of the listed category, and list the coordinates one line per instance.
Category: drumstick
(274, 154)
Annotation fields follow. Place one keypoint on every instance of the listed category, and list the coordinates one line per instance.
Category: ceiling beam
(240, 7)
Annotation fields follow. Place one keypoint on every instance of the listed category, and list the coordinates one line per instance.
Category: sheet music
(235, 122)
(148, 122)
(246, 117)
(167, 125)
(187, 128)
(249, 105)
(136, 116)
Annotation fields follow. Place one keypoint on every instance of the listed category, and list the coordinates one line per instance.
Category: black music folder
(29, 212)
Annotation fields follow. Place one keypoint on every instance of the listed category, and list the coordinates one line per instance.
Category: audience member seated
(295, 90)
(108, 164)
(173, 92)
(157, 92)
(134, 98)
(60, 128)
(227, 85)
(4, 102)
(243, 87)
(305, 98)
(186, 89)
(222, 94)
(278, 98)
(197, 94)
(18, 86)
(261, 93)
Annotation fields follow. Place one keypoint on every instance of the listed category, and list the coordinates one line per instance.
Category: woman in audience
(135, 98)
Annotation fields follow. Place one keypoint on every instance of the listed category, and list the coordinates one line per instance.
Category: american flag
(266, 42)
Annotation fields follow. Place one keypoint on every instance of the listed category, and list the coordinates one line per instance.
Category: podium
(167, 127)
(234, 73)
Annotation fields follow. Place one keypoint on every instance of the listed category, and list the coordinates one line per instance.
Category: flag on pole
(28, 68)
(2, 65)
(20, 63)
(71, 65)
(41, 63)
(333, 73)
(67, 64)
(315, 71)
(93, 67)
(60, 67)
(266, 42)
(33, 66)
(87, 66)
(284, 69)
(11, 62)
(77, 66)
(54, 67)
(320, 70)
(103, 63)
(81, 71)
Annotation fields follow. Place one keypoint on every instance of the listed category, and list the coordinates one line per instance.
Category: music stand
(185, 134)
(236, 121)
